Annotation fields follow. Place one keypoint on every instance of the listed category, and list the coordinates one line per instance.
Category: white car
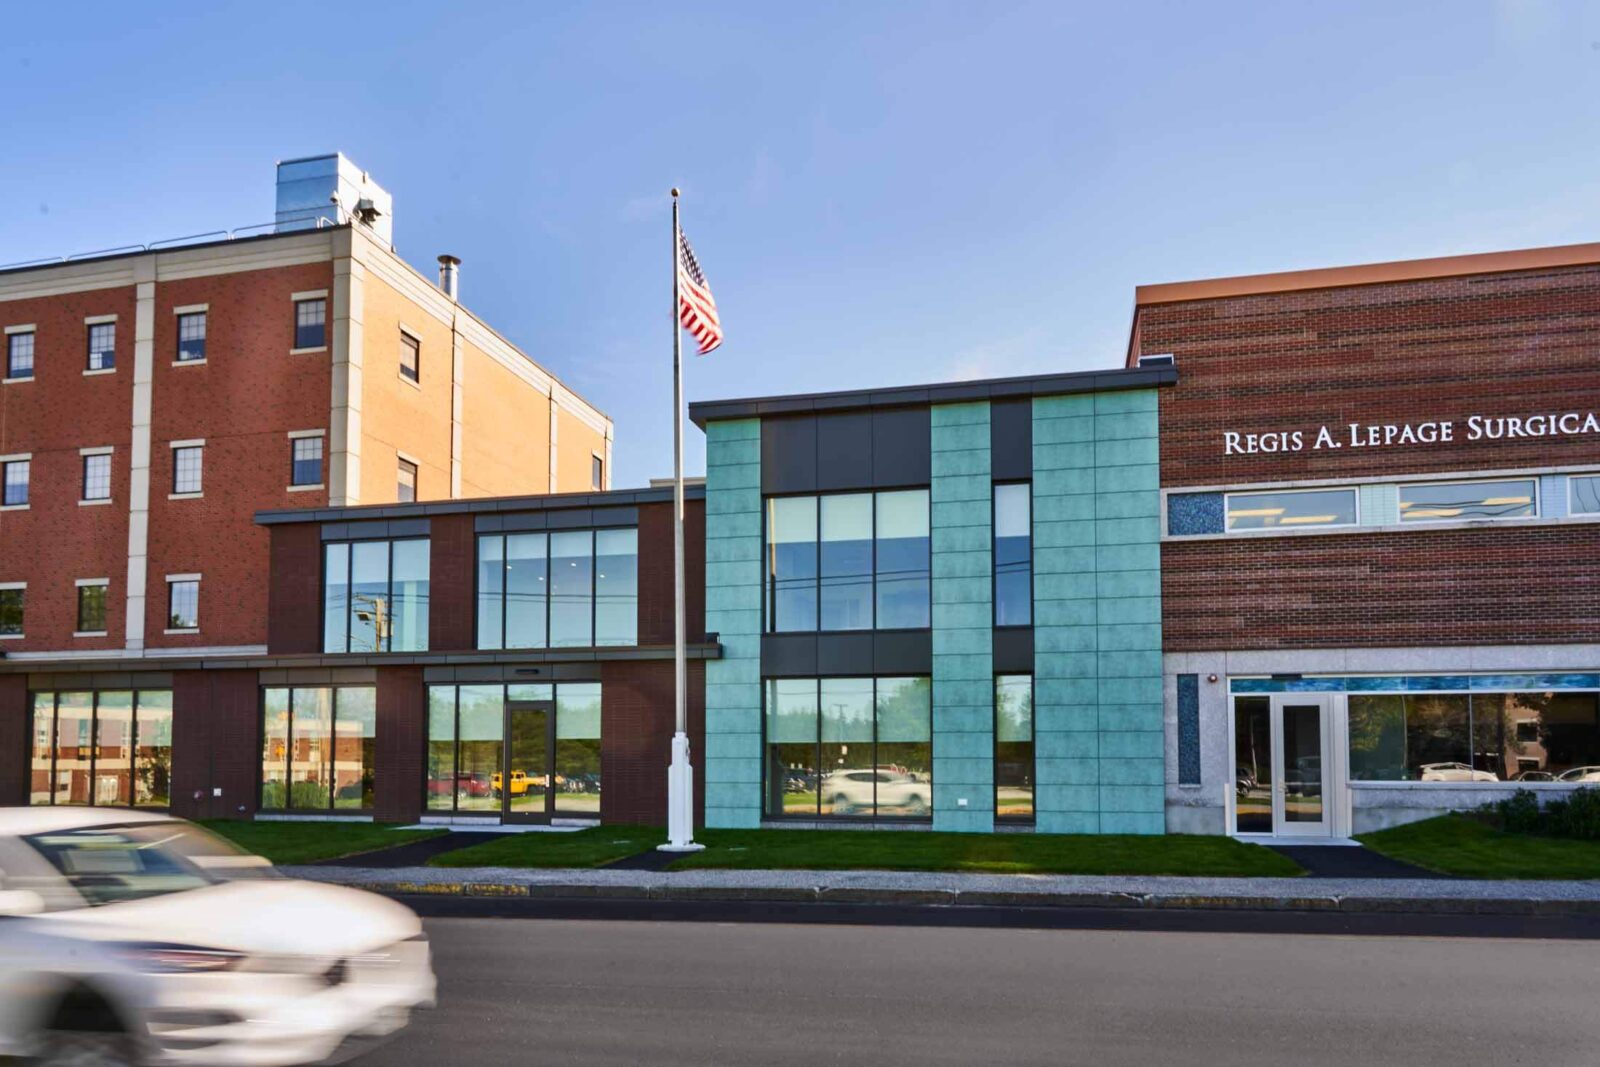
(134, 938)
(1454, 772)
(897, 793)
(1580, 774)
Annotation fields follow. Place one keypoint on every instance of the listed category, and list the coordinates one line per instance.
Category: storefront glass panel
(572, 589)
(482, 753)
(1252, 765)
(527, 584)
(791, 564)
(904, 759)
(153, 749)
(616, 587)
(43, 748)
(88, 748)
(113, 738)
(903, 561)
(1478, 737)
(408, 597)
(74, 747)
(355, 734)
(848, 783)
(1013, 746)
(442, 783)
(846, 562)
(577, 754)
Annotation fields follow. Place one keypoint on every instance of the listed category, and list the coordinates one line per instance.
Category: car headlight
(177, 959)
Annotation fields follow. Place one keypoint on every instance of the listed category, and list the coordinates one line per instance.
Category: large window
(318, 748)
(183, 602)
(110, 747)
(467, 748)
(849, 561)
(1291, 509)
(1013, 555)
(19, 355)
(375, 596)
(187, 468)
(849, 747)
(1453, 501)
(1013, 746)
(1476, 737)
(563, 589)
(96, 477)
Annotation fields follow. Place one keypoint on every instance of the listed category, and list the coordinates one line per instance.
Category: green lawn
(578, 848)
(307, 842)
(889, 851)
(1468, 847)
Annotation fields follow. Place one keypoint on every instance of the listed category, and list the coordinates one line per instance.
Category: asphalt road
(553, 991)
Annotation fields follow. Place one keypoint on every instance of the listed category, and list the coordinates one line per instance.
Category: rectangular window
(1013, 555)
(597, 473)
(311, 323)
(567, 589)
(16, 482)
(405, 481)
(92, 609)
(305, 461)
(1476, 737)
(616, 587)
(102, 345)
(97, 476)
(1584, 494)
(410, 357)
(1013, 746)
(1451, 501)
(1291, 509)
(903, 563)
(791, 564)
(849, 747)
(845, 562)
(318, 748)
(186, 468)
(110, 748)
(572, 589)
(192, 337)
(577, 755)
(183, 603)
(375, 596)
(19, 355)
(12, 603)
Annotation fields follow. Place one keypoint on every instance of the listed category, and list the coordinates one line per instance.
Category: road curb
(1347, 904)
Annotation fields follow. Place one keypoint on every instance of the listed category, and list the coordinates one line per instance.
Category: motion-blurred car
(1533, 776)
(1454, 772)
(1580, 774)
(468, 785)
(895, 791)
(134, 938)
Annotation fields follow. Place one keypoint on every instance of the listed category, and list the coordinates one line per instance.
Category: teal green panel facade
(1097, 614)
(732, 753)
(963, 618)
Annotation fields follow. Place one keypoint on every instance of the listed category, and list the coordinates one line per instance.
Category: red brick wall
(61, 410)
(15, 743)
(402, 733)
(216, 742)
(1510, 344)
(294, 597)
(453, 558)
(243, 402)
(656, 619)
(636, 722)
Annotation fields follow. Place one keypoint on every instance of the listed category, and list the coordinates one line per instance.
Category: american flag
(697, 310)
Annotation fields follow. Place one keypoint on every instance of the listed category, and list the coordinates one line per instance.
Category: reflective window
(97, 477)
(904, 561)
(791, 564)
(1013, 746)
(19, 355)
(869, 568)
(310, 323)
(1585, 494)
(318, 748)
(12, 602)
(849, 747)
(410, 357)
(577, 756)
(1252, 765)
(846, 562)
(1013, 555)
(1291, 509)
(1478, 737)
(305, 463)
(405, 481)
(191, 337)
(481, 725)
(183, 604)
(108, 747)
(102, 345)
(92, 608)
(375, 596)
(597, 473)
(566, 589)
(186, 468)
(16, 482)
(1448, 501)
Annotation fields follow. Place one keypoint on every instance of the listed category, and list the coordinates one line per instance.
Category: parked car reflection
(1454, 772)
(1580, 774)
(897, 793)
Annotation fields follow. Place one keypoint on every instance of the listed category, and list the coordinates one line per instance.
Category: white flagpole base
(680, 799)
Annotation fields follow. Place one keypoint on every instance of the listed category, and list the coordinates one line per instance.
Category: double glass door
(1280, 749)
(524, 784)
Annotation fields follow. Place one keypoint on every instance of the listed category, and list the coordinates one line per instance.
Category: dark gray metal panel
(621, 516)
(902, 652)
(789, 655)
(844, 450)
(570, 519)
(902, 447)
(789, 454)
(515, 520)
(553, 502)
(1013, 650)
(1011, 439)
(409, 528)
(843, 654)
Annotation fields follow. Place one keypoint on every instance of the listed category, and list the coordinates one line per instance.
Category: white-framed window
(13, 601)
(406, 481)
(597, 471)
(19, 354)
(92, 600)
(1291, 509)
(183, 602)
(305, 458)
(187, 465)
(1583, 494)
(14, 474)
(102, 345)
(1501, 498)
(96, 475)
(410, 357)
(192, 335)
(311, 323)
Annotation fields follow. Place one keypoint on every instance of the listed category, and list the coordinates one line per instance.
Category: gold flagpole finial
(674, 192)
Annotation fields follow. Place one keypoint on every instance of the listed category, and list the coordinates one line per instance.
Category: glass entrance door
(524, 782)
(1279, 750)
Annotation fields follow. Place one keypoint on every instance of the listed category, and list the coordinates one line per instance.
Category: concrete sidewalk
(1353, 895)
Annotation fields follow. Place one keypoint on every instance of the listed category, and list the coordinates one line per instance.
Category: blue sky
(880, 193)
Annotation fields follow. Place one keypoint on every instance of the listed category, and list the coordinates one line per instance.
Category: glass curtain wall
(848, 561)
(1475, 737)
(375, 596)
(565, 589)
(318, 748)
(110, 748)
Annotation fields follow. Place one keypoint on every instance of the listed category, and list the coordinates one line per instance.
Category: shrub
(1519, 813)
(1577, 814)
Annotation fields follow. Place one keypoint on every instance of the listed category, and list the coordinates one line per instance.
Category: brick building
(1380, 590)
(154, 399)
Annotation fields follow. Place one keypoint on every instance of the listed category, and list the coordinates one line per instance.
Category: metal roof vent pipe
(449, 275)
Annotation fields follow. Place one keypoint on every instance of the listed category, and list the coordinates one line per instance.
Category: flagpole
(680, 773)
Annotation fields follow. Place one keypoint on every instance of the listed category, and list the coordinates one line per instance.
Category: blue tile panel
(733, 610)
(1188, 729)
(1097, 614)
(1417, 683)
(1195, 513)
(963, 619)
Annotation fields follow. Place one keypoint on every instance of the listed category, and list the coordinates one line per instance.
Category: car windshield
(107, 864)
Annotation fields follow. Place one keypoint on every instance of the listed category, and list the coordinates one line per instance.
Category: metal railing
(256, 230)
